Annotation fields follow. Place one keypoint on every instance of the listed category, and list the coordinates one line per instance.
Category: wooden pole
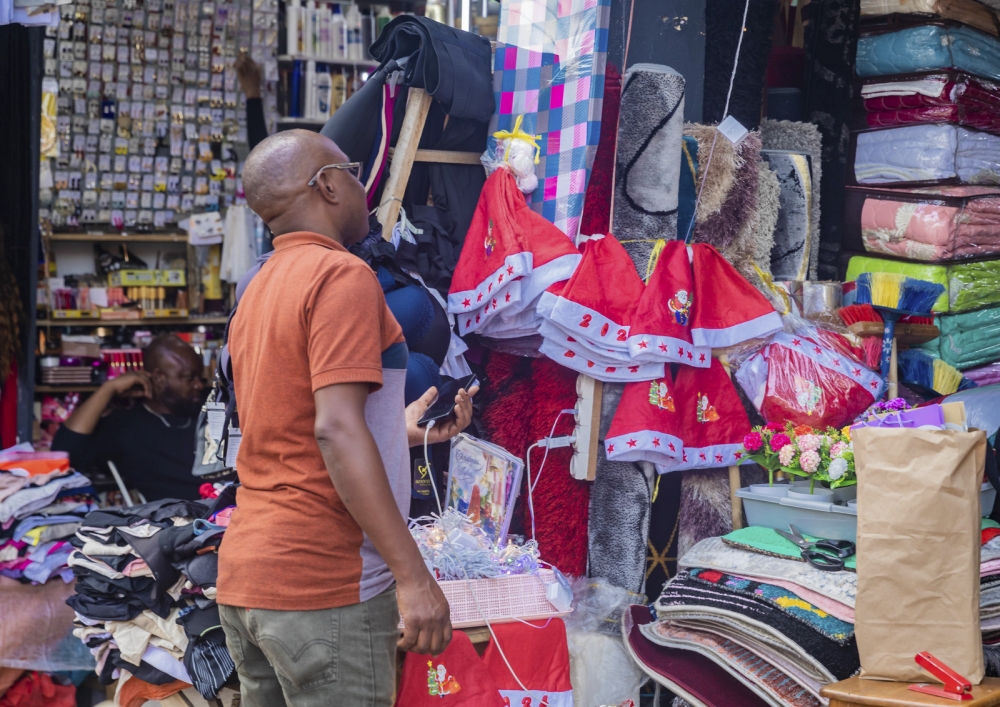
(417, 106)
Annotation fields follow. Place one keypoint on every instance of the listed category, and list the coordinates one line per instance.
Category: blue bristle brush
(895, 296)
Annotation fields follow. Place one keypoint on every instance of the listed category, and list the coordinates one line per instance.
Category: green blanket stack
(968, 339)
(968, 286)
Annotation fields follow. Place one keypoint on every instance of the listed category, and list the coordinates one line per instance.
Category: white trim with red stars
(647, 347)
(644, 445)
(514, 266)
(709, 457)
(556, 333)
(498, 302)
(608, 371)
(762, 326)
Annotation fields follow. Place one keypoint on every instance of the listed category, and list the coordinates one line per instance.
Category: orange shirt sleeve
(348, 327)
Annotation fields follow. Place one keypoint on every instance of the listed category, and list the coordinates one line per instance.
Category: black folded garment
(115, 562)
(104, 609)
(209, 663)
(156, 512)
(128, 590)
(451, 65)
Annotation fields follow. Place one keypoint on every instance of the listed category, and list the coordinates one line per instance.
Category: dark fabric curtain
(20, 109)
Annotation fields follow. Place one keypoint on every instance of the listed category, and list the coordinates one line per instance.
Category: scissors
(826, 555)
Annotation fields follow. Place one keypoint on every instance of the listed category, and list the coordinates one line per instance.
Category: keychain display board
(143, 120)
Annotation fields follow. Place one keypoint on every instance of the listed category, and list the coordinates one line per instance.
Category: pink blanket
(930, 231)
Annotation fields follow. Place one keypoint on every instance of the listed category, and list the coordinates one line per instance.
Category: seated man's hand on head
(136, 384)
(443, 430)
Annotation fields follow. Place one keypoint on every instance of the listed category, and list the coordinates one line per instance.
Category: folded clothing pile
(967, 340)
(932, 224)
(968, 12)
(935, 97)
(42, 503)
(927, 153)
(968, 286)
(145, 602)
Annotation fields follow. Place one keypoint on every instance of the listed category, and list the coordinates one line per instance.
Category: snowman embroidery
(489, 243)
(807, 394)
(680, 305)
(706, 413)
(660, 396)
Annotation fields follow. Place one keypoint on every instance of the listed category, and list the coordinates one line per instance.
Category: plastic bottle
(338, 34)
(293, 27)
(353, 23)
(309, 29)
(436, 10)
(383, 18)
(324, 92)
(325, 49)
(310, 110)
(295, 93)
(339, 91)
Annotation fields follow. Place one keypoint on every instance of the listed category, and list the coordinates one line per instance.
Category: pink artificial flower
(809, 443)
(787, 455)
(779, 440)
(837, 448)
(809, 461)
(774, 427)
(753, 442)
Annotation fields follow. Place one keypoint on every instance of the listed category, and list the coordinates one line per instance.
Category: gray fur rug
(804, 138)
(647, 172)
(706, 510)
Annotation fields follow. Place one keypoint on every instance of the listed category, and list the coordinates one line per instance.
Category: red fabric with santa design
(646, 424)
(506, 240)
(661, 325)
(727, 310)
(456, 678)
(712, 421)
(540, 659)
(598, 301)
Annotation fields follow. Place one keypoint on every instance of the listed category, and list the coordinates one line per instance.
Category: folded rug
(782, 599)
(683, 595)
(697, 680)
(713, 553)
(768, 681)
(766, 541)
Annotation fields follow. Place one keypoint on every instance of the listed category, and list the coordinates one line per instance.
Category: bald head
(175, 371)
(276, 177)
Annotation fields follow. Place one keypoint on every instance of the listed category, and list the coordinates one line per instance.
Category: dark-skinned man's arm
(352, 458)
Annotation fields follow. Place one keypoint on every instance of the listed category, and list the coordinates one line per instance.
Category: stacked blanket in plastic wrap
(968, 286)
(932, 152)
(929, 47)
(945, 97)
(931, 224)
(969, 339)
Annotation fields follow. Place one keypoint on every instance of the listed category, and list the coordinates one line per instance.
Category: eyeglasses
(352, 168)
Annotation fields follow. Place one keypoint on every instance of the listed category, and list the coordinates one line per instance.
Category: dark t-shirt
(151, 457)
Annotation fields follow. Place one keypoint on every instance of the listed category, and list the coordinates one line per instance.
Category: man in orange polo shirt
(319, 538)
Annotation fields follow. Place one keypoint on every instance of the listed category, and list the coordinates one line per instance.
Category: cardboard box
(139, 278)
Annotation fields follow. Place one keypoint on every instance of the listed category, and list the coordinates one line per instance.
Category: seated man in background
(152, 442)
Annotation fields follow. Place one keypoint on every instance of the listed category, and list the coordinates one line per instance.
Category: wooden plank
(192, 321)
(735, 501)
(417, 106)
(595, 427)
(444, 157)
(880, 693)
(120, 238)
(905, 333)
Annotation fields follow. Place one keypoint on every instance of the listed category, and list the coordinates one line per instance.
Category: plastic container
(817, 518)
(338, 34)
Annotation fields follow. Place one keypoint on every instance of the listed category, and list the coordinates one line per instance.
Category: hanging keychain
(521, 152)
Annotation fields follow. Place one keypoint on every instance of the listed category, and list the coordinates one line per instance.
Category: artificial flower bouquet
(800, 450)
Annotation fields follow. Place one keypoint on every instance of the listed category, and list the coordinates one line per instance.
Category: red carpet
(600, 189)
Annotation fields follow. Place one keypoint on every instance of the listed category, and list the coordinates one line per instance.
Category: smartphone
(443, 406)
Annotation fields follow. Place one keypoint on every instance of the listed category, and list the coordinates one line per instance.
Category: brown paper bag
(918, 550)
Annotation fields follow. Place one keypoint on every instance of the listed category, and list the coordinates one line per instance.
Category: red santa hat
(456, 678)
(598, 301)
(712, 420)
(603, 369)
(585, 347)
(727, 310)
(507, 240)
(661, 326)
(539, 658)
(493, 252)
(646, 424)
